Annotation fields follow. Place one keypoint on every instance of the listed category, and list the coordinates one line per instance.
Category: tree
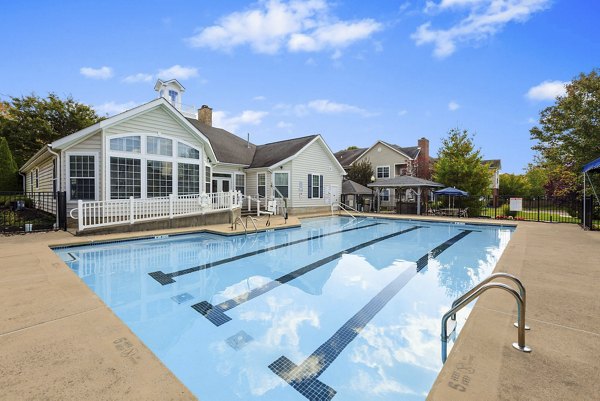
(9, 180)
(361, 172)
(537, 179)
(30, 122)
(514, 185)
(568, 135)
(460, 165)
(352, 147)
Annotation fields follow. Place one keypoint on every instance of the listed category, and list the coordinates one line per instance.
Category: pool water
(338, 309)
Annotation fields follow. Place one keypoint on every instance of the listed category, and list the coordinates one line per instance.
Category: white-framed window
(281, 181)
(173, 95)
(82, 176)
(125, 177)
(188, 179)
(37, 178)
(132, 143)
(315, 186)
(383, 171)
(159, 178)
(147, 165)
(240, 183)
(261, 184)
(159, 146)
(207, 179)
(384, 195)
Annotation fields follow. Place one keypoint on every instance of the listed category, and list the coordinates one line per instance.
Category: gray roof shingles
(271, 153)
(230, 148)
(347, 156)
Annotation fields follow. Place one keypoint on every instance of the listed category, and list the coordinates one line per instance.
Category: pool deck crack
(49, 321)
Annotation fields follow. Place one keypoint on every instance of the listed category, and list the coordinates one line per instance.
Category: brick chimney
(424, 170)
(205, 115)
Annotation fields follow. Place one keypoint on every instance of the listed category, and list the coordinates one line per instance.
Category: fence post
(61, 203)
(80, 215)
(538, 209)
(131, 210)
(231, 194)
(171, 199)
(495, 207)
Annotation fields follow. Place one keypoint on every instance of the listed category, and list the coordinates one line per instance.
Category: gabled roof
(404, 181)
(494, 163)
(228, 147)
(411, 152)
(354, 188)
(78, 136)
(348, 156)
(160, 83)
(272, 153)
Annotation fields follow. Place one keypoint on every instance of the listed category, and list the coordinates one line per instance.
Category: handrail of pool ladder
(493, 277)
(253, 223)
(344, 207)
(234, 225)
(519, 345)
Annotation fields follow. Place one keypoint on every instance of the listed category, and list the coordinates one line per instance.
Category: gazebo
(588, 207)
(353, 192)
(406, 182)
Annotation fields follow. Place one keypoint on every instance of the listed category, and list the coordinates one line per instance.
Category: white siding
(156, 120)
(315, 159)
(252, 182)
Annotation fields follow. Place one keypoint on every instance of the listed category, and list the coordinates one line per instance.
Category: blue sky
(352, 71)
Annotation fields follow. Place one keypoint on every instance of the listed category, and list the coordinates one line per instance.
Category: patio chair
(463, 212)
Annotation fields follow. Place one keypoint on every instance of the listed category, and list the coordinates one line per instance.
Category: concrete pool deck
(58, 341)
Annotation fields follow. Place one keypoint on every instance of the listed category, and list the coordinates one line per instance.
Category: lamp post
(372, 193)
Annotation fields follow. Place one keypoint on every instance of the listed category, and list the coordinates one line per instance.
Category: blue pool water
(339, 308)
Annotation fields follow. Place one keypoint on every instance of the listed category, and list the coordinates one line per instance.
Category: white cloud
(178, 72)
(259, 98)
(453, 106)
(96, 73)
(485, 18)
(139, 77)
(402, 112)
(273, 25)
(547, 90)
(284, 125)
(232, 123)
(323, 106)
(111, 108)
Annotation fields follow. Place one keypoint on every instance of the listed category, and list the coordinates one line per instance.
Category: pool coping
(50, 312)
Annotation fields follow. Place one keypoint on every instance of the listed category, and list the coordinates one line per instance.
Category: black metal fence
(542, 209)
(32, 211)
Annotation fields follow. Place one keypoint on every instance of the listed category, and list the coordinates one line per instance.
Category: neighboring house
(158, 149)
(388, 161)
(495, 167)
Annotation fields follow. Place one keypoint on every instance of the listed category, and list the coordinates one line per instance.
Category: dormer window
(173, 96)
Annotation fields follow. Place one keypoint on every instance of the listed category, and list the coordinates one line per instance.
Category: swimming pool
(339, 308)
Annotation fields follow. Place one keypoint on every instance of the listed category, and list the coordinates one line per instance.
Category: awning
(591, 165)
(404, 181)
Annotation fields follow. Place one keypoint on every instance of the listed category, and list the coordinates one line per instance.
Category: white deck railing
(91, 214)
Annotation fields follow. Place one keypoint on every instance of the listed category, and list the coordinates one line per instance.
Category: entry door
(221, 184)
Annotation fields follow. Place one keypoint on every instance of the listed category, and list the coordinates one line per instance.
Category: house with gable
(388, 161)
(161, 150)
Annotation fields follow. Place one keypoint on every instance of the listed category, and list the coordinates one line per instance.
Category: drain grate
(239, 340)
(181, 298)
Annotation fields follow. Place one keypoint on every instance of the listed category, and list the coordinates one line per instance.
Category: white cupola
(170, 90)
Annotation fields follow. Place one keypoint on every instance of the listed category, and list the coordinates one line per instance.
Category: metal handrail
(519, 345)
(234, 225)
(344, 207)
(253, 223)
(494, 276)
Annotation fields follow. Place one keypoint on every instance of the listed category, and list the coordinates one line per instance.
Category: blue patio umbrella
(451, 192)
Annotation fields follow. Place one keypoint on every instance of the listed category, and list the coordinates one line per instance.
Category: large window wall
(148, 165)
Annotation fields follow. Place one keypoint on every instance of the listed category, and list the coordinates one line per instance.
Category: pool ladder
(475, 292)
(234, 225)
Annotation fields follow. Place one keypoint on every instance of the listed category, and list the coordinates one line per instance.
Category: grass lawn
(560, 216)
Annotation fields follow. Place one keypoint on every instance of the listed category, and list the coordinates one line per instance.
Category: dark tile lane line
(216, 313)
(304, 377)
(167, 278)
